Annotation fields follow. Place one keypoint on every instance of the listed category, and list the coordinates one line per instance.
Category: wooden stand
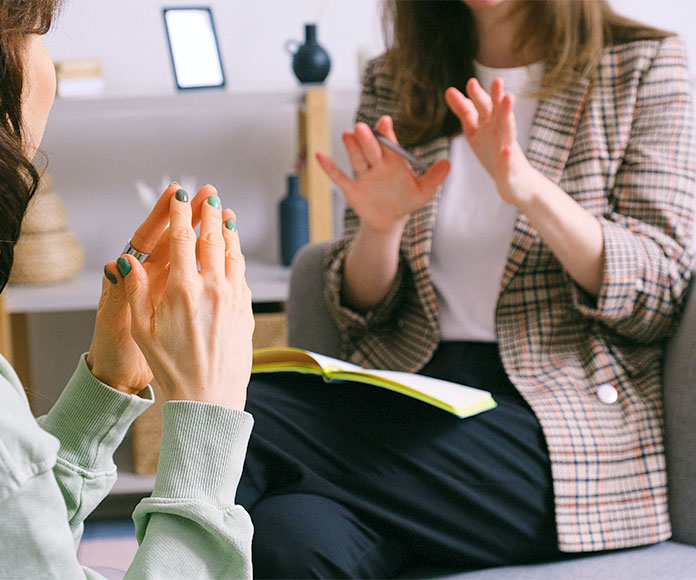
(14, 344)
(313, 136)
(5, 332)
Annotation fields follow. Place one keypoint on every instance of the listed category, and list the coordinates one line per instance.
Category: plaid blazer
(620, 143)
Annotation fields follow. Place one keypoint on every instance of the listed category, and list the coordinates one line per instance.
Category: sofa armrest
(680, 418)
(310, 325)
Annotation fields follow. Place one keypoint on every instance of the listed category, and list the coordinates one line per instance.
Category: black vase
(310, 62)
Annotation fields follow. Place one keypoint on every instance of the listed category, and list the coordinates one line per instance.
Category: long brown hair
(18, 177)
(431, 45)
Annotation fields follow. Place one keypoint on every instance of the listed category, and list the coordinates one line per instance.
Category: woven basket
(271, 330)
(46, 213)
(46, 257)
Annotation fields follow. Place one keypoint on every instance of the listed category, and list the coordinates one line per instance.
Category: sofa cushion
(665, 561)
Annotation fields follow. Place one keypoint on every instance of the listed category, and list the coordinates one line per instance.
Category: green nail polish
(123, 266)
(110, 277)
(181, 195)
(231, 225)
(214, 200)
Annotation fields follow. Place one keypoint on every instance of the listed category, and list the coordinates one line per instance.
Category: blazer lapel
(551, 138)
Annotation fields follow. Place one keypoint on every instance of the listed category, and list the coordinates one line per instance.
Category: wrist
(231, 396)
(526, 191)
(383, 238)
(105, 377)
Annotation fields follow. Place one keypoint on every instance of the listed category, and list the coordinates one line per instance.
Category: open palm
(385, 189)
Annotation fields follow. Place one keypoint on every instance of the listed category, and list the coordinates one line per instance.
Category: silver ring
(140, 256)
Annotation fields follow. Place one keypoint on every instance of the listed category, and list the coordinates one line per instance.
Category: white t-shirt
(474, 226)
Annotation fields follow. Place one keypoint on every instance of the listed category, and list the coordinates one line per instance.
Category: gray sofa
(311, 327)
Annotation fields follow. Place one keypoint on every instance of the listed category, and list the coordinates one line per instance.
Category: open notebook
(460, 400)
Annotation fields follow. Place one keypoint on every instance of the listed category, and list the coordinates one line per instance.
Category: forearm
(572, 233)
(371, 266)
(90, 420)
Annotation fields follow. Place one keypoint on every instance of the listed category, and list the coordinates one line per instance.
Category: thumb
(434, 176)
(113, 298)
(136, 287)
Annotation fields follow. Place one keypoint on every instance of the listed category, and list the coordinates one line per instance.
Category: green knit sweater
(54, 472)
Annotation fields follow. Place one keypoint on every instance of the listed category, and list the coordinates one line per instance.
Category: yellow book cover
(460, 400)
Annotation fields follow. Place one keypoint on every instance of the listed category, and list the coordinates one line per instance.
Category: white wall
(128, 36)
(673, 15)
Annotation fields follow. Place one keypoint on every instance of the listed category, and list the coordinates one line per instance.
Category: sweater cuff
(203, 451)
(91, 419)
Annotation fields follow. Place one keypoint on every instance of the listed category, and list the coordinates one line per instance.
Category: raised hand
(113, 356)
(488, 121)
(384, 189)
(195, 331)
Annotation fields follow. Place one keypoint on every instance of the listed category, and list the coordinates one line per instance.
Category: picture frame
(193, 47)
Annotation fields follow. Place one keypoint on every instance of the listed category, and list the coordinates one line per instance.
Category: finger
(464, 109)
(182, 240)
(135, 288)
(497, 93)
(113, 300)
(234, 259)
(334, 172)
(355, 155)
(211, 244)
(197, 203)
(433, 177)
(369, 145)
(146, 236)
(160, 253)
(506, 117)
(385, 126)
(480, 98)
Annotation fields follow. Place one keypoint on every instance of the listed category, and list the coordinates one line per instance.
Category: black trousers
(352, 481)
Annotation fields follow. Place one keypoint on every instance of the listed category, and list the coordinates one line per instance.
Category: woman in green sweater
(177, 315)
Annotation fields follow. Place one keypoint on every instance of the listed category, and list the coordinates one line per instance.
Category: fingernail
(123, 266)
(231, 225)
(181, 195)
(110, 277)
(214, 200)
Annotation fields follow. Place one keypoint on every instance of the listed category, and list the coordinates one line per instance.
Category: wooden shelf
(268, 283)
(133, 484)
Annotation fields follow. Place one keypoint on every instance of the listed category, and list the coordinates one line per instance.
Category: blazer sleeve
(647, 233)
(349, 321)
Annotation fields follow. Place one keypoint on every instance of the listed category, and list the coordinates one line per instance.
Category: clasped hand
(185, 315)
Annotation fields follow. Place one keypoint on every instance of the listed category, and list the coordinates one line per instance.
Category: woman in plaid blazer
(593, 282)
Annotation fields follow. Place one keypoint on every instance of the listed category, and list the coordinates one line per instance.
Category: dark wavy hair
(431, 45)
(19, 178)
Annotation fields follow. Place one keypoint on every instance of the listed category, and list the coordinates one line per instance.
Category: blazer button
(607, 393)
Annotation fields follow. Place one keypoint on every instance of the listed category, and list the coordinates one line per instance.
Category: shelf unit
(268, 283)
